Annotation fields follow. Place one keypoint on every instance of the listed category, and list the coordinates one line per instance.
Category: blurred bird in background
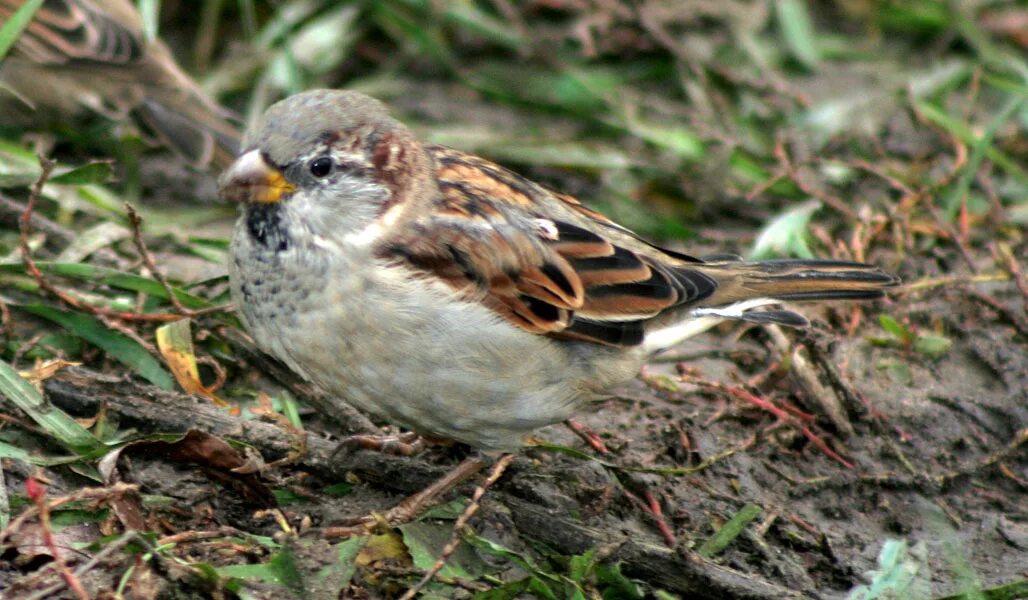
(92, 55)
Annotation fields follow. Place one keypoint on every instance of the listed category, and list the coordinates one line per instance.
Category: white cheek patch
(344, 213)
(371, 233)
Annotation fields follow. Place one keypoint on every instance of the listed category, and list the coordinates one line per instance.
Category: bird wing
(61, 33)
(541, 260)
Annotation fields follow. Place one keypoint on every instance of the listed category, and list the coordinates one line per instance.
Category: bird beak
(251, 179)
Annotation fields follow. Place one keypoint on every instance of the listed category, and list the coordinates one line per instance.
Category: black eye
(321, 166)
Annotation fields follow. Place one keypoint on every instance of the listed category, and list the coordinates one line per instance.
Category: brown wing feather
(546, 273)
(65, 32)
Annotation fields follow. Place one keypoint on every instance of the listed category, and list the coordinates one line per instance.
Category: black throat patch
(264, 221)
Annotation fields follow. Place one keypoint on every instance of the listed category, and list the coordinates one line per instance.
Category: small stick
(808, 379)
(770, 407)
(30, 265)
(469, 511)
(37, 493)
(1014, 317)
(136, 223)
(111, 548)
(186, 537)
(1003, 254)
(651, 506)
(94, 494)
(588, 436)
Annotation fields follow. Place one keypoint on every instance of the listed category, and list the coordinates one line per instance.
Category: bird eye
(321, 166)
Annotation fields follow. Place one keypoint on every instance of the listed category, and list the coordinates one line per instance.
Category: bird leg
(402, 444)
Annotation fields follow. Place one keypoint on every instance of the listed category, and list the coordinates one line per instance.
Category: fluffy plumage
(444, 292)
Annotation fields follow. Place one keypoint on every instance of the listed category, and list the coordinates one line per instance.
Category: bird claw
(403, 444)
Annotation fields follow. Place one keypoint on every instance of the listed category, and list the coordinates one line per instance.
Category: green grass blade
(113, 278)
(798, 32)
(963, 132)
(5, 502)
(729, 531)
(149, 12)
(54, 421)
(16, 453)
(99, 171)
(10, 30)
(978, 152)
(121, 347)
(1009, 591)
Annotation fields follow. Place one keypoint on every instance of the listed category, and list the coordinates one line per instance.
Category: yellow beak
(251, 179)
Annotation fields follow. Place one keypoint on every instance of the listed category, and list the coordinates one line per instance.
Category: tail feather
(193, 127)
(830, 295)
(743, 288)
(798, 280)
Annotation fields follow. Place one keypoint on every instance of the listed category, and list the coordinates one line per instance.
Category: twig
(807, 377)
(194, 536)
(588, 436)
(100, 493)
(1014, 317)
(793, 174)
(934, 282)
(770, 407)
(220, 375)
(5, 320)
(37, 493)
(136, 222)
(469, 511)
(651, 506)
(411, 506)
(30, 265)
(923, 482)
(125, 539)
(954, 233)
(146, 408)
(14, 211)
(1003, 254)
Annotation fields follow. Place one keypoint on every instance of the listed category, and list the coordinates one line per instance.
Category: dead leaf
(175, 342)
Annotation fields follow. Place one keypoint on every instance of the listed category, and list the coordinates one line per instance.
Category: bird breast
(401, 346)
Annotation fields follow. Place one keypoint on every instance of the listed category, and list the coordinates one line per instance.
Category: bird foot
(402, 444)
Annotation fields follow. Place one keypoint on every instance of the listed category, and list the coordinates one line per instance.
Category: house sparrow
(91, 54)
(444, 293)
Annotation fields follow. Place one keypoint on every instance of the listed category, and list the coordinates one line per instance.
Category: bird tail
(798, 280)
(193, 127)
(744, 287)
(184, 117)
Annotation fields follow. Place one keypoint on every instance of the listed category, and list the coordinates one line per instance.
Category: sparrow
(92, 55)
(446, 294)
